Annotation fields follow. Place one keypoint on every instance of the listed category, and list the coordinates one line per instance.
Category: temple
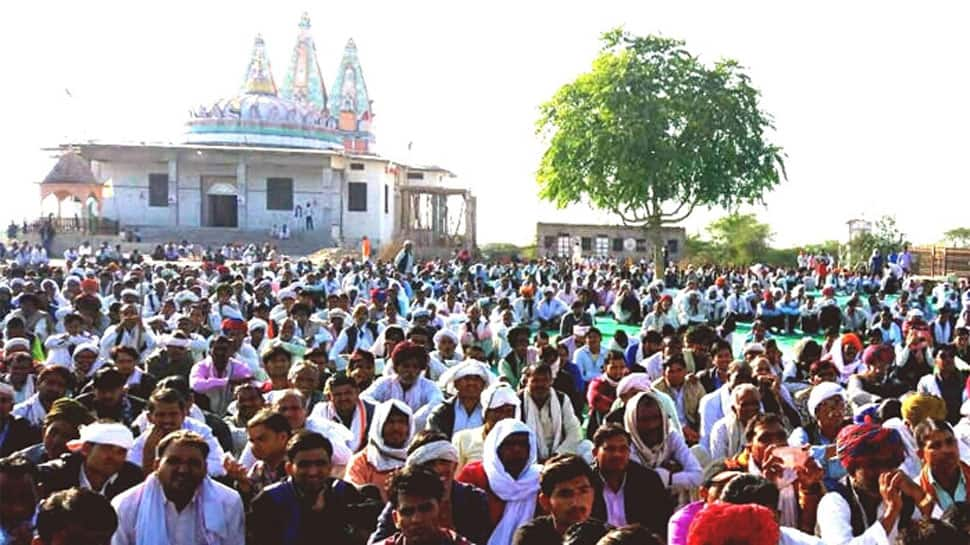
(268, 155)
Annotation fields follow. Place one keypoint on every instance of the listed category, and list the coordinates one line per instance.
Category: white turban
(16, 342)
(172, 340)
(822, 391)
(91, 347)
(258, 323)
(436, 450)
(445, 332)
(499, 395)
(104, 433)
(634, 382)
(467, 368)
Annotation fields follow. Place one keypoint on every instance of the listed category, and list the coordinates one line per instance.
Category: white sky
(869, 97)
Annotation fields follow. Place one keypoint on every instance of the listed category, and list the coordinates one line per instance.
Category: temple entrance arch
(220, 208)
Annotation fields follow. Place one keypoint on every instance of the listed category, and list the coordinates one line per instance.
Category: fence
(941, 261)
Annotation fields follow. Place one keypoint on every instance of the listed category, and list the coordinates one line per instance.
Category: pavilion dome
(71, 168)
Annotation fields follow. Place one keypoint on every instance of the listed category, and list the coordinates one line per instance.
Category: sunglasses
(410, 511)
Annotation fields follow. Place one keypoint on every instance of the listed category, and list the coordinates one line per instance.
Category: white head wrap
(498, 395)
(445, 332)
(822, 391)
(650, 457)
(634, 382)
(16, 342)
(436, 450)
(518, 493)
(172, 340)
(92, 347)
(467, 368)
(381, 456)
(104, 433)
(258, 323)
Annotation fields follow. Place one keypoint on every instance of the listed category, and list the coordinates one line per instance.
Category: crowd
(451, 402)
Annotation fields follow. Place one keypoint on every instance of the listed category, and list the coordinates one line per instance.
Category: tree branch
(665, 218)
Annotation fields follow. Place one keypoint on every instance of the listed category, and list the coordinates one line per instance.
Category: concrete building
(266, 157)
(616, 241)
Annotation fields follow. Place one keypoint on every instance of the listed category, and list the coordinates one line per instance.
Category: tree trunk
(655, 236)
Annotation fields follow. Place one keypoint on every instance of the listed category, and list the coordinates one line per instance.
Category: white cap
(822, 391)
(104, 433)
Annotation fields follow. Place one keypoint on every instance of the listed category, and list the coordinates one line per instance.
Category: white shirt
(213, 461)
(180, 525)
(464, 421)
(615, 506)
(791, 536)
(835, 524)
(83, 481)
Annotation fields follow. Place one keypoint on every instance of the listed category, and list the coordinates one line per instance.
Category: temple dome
(71, 168)
(259, 116)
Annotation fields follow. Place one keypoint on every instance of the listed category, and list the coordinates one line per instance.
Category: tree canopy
(650, 133)
(959, 237)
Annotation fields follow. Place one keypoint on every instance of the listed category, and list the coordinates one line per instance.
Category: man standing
(96, 462)
(308, 505)
(177, 503)
(404, 260)
(624, 487)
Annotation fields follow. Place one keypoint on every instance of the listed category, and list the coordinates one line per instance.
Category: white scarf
(532, 412)
(150, 521)
(358, 421)
(519, 494)
(381, 456)
(26, 391)
(650, 457)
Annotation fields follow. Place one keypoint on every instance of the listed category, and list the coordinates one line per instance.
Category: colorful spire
(259, 75)
(304, 81)
(349, 92)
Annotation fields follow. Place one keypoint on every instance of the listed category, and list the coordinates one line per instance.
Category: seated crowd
(451, 402)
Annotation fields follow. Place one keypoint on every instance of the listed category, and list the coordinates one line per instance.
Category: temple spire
(349, 92)
(259, 75)
(304, 80)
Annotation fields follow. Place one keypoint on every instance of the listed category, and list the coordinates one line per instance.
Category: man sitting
(408, 384)
(109, 399)
(392, 428)
(345, 407)
(550, 414)
(464, 409)
(75, 515)
(416, 495)
(307, 506)
(567, 494)
(177, 503)
(97, 462)
(624, 487)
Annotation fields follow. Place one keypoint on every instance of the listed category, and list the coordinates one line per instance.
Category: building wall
(550, 239)
(373, 222)
(129, 204)
(307, 188)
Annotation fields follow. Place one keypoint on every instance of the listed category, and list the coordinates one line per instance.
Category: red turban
(852, 339)
(234, 324)
(867, 445)
(89, 284)
(406, 350)
(874, 352)
(723, 523)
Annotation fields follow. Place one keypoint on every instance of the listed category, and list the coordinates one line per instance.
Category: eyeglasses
(410, 511)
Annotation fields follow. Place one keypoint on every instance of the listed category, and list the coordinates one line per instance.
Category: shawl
(379, 455)
(519, 494)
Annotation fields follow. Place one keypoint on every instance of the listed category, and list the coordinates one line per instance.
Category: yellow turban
(919, 407)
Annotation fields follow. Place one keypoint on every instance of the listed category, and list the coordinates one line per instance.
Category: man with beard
(567, 493)
(96, 462)
(172, 357)
(464, 409)
(177, 503)
(509, 475)
(624, 487)
(131, 331)
(875, 499)
(389, 434)
(217, 375)
(51, 385)
(308, 505)
(550, 414)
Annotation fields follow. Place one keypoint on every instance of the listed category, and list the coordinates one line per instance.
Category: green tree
(741, 238)
(959, 237)
(650, 133)
(885, 236)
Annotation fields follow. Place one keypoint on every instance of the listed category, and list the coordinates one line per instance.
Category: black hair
(608, 431)
(177, 383)
(630, 535)
(340, 379)
(394, 332)
(927, 427)
(676, 359)
(747, 488)
(165, 395)
(760, 421)
(16, 466)
(418, 481)
(537, 368)
(719, 345)
(890, 408)
(274, 421)
(561, 468)
(588, 532)
(108, 378)
(75, 506)
(307, 440)
(930, 532)
(652, 337)
(190, 438)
